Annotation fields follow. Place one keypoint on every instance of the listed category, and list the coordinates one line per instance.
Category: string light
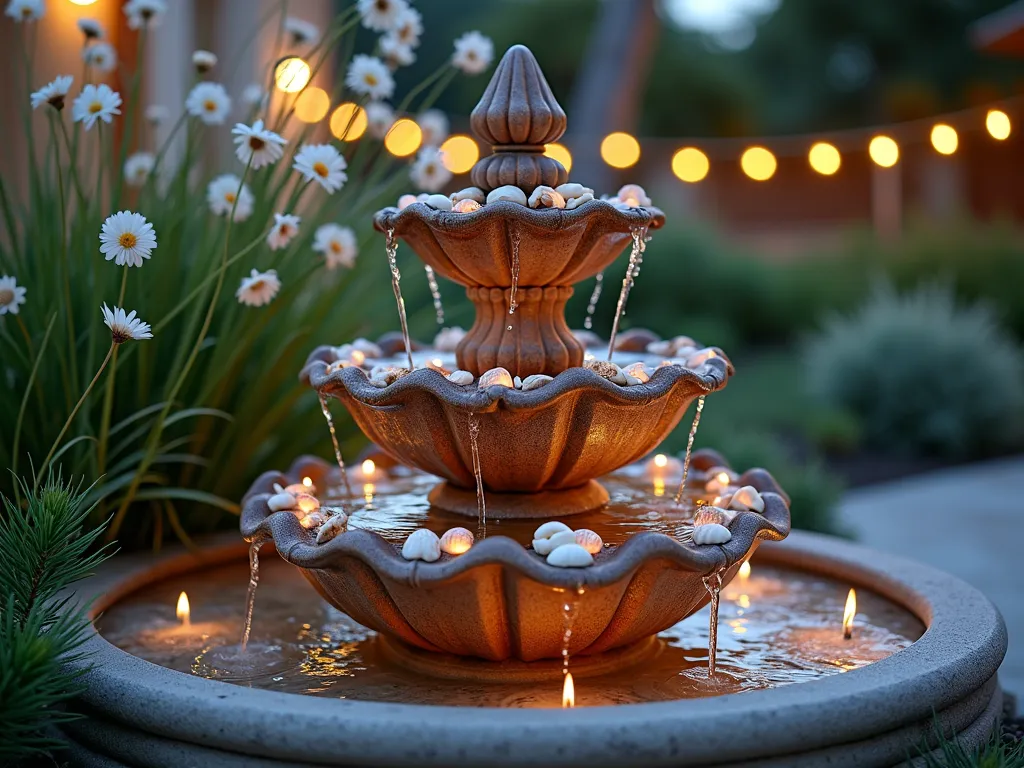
(560, 153)
(348, 122)
(620, 150)
(459, 153)
(884, 151)
(944, 139)
(312, 104)
(758, 163)
(690, 164)
(292, 74)
(997, 123)
(824, 158)
(404, 138)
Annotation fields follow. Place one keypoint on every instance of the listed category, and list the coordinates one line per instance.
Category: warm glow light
(568, 692)
(620, 150)
(404, 138)
(944, 139)
(560, 153)
(83, 2)
(848, 614)
(659, 487)
(824, 158)
(744, 572)
(997, 123)
(758, 163)
(183, 612)
(690, 164)
(368, 490)
(723, 478)
(292, 74)
(348, 122)
(358, 357)
(884, 151)
(307, 482)
(312, 104)
(661, 460)
(459, 153)
(307, 504)
(369, 468)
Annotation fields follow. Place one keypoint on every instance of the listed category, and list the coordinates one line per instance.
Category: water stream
(481, 502)
(435, 292)
(689, 447)
(512, 304)
(713, 584)
(254, 580)
(588, 323)
(334, 439)
(391, 248)
(636, 256)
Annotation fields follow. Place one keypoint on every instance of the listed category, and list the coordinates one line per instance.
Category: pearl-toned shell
(405, 201)
(550, 544)
(571, 190)
(549, 529)
(335, 524)
(462, 378)
(422, 545)
(589, 540)
(570, 556)
(712, 533)
(281, 501)
(546, 197)
(633, 195)
(535, 381)
(456, 541)
(508, 192)
(466, 206)
(496, 377)
(576, 202)
(469, 193)
(439, 202)
(747, 499)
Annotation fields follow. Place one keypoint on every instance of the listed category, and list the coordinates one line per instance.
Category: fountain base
(500, 506)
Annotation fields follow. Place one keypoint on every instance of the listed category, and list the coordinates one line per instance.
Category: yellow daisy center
(6, 296)
(370, 79)
(257, 285)
(335, 247)
(127, 240)
(229, 197)
(320, 169)
(95, 107)
(210, 105)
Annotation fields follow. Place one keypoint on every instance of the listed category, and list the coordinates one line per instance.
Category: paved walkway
(967, 521)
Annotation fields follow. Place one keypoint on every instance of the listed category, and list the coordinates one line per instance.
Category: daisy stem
(151, 179)
(108, 395)
(25, 333)
(72, 165)
(74, 412)
(422, 86)
(24, 400)
(65, 263)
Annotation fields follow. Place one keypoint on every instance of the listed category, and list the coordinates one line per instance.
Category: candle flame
(369, 468)
(183, 611)
(744, 572)
(661, 460)
(568, 692)
(848, 614)
(307, 481)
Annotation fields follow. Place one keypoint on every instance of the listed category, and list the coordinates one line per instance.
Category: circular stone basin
(359, 704)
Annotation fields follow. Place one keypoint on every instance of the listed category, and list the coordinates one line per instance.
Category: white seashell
(544, 546)
(278, 488)
(707, 514)
(549, 529)
(697, 360)
(747, 499)
(456, 541)
(469, 193)
(664, 348)
(378, 381)
(448, 339)
(335, 524)
(508, 192)
(496, 377)
(570, 556)
(712, 533)
(466, 206)
(546, 197)
(462, 378)
(535, 381)
(633, 195)
(368, 348)
(313, 520)
(632, 381)
(439, 202)
(422, 545)
(281, 501)
(517, 382)
(405, 201)
(638, 371)
(422, 197)
(571, 190)
(575, 202)
(589, 540)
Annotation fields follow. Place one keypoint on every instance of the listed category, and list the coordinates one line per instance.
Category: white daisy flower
(209, 102)
(395, 53)
(428, 172)
(256, 142)
(381, 15)
(25, 10)
(100, 56)
(53, 93)
(379, 118)
(146, 13)
(302, 32)
(408, 28)
(204, 61)
(12, 295)
(157, 114)
(369, 76)
(138, 167)
(125, 326)
(222, 193)
(127, 238)
(434, 125)
(337, 244)
(323, 164)
(259, 288)
(91, 28)
(286, 227)
(253, 95)
(473, 53)
(95, 102)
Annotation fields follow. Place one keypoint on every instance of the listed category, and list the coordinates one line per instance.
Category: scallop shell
(469, 193)
(281, 501)
(575, 202)
(589, 540)
(549, 529)
(462, 378)
(336, 523)
(570, 556)
(712, 533)
(439, 202)
(456, 541)
(466, 206)
(546, 546)
(509, 193)
(747, 499)
(546, 197)
(422, 545)
(496, 377)
(535, 381)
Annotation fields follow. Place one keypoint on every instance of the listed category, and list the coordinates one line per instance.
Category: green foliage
(923, 375)
(44, 548)
(951, 754)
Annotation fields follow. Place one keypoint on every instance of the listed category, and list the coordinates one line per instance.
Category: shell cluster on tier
(568, 196)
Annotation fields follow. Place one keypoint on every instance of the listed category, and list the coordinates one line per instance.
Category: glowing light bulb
(758, 163)
(459, 153)
(369, 468)
(691, 165)
(348, 122)
(997, 123)
(849, 613)
(620, 150)
(884, 151)
(404, 138)
(824, 158)
(312, 105)
(560, 153)
(292, 74)
(944, 139)
(183, 611)
(661, 460)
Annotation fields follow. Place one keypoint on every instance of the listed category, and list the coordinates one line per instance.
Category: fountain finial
(517, 116)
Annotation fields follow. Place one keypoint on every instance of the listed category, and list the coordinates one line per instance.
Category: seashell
(718, 479)
(707, 514)
(589, 540)
(448, 339)
(697, 360)
(466, 206)
(637, 371)
(405, 201)
(422, 197)
(278, 488)
(378, 381)
(313, 520)
(517, 382)
(455, 541)
(631, 381)
(546, 197)
(508, 192)
(469, 193)
(535, 381)
(422, 545)
(570, 556)
(368, 348)
(439, 202)
(747, 499)
(281, 501)
(547, 545)
(306, 502)
(712, 533)
(549, 529)
(571, 190)
(633, 195)
(607, 370)
(576, 202)
(496, 377)
(462, 378)
(336, 523)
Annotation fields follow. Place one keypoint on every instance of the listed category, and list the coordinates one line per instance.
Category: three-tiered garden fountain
(553, 632)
